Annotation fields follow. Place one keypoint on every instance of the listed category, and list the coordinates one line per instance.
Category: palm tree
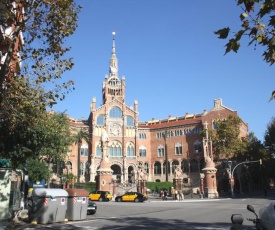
(77, 139)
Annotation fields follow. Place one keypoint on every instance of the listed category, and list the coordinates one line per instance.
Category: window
(175, 164)
(160, 151)
(214, 125)
(142, 151)
(115, 112)
(100, 120)
(178, 149)
(146, 167)
(157, 168)
(115, 150)
(185, 166)
(178, 133)
(197, 130)
(197, 147)
(130, 150)
(142, 136)
(84, 151)
(98, 151)
(130, 121)
(164, 167)
(87, 167)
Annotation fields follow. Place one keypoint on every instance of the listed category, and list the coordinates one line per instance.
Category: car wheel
(119, 199)
(136, 200)
(100, 199)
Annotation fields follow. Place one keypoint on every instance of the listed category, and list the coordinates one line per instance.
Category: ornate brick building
(133, 143)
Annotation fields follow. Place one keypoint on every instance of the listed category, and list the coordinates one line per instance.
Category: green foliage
(38, 170)
(269, 137)
(34, 134)
(90, 186)
(160, 185)
(226, 139)
(45, 25)
(257, 24)
(78, 138)
(27, 130)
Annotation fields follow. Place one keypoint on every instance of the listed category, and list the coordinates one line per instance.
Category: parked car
(92, 207)
(132, 196)
(100, 196)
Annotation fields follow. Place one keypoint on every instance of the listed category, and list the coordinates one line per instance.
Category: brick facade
(129, 139)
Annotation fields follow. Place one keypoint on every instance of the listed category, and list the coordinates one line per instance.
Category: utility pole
(166, 155)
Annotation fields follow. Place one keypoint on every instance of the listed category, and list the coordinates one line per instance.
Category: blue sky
(172, 61)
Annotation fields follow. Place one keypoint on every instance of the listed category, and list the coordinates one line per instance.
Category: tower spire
(113, 61)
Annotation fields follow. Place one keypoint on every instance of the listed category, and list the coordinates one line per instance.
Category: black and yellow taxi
(100, 196)
(132, 196)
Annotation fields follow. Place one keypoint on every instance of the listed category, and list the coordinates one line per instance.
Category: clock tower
(120, 122)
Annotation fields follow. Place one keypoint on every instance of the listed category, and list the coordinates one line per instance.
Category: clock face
(115, 129)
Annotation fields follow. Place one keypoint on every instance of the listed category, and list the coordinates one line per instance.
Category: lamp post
(166, 155)
(232, 173)
(230, 178)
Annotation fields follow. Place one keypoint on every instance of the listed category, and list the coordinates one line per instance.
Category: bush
(159, 185)
(90, 186)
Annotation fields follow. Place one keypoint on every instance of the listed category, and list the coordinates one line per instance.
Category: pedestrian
(173, 193)
(165, 195)
(162, 194)
(180, 195)
(176, 195)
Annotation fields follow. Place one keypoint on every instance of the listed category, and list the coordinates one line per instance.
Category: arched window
(98, 151)
(142, 151)
(115, 149)
(160, 151)
(178, 149)
(84, 151)
(87, 167)
(197, 147)
(174, 165)
(157, 168)
(164, 167)
(115, 112)
(146, 167)
(185, 166)
(130, 150)
(100, 120)
(130, 121)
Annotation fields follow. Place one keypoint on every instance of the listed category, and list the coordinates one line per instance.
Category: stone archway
(116, 172)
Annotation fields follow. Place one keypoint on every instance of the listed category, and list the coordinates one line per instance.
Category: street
(197, 214)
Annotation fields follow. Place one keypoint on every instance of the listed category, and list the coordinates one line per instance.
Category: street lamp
(232, 173)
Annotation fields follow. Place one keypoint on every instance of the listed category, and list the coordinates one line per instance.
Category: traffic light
(261, 162)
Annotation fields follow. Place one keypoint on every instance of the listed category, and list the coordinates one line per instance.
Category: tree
(269, 137)
(35, 57)
(38, 134)
(37, 170)
(43, 25)
(257, 23)
(78, 138)
(225, 138)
